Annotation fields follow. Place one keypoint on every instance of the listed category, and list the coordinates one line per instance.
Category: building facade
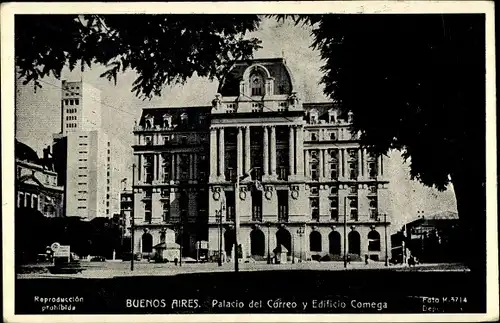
(85, 151)
(126, 210)
(36, 183)
(300, 167)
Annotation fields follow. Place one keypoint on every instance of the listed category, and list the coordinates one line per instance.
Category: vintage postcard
(257, 161)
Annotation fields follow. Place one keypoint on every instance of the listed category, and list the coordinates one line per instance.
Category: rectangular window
(82, 200)
(282, 205)
(82, 192)
(82, 207)
(77, 101)
(82, 167)
(166, 210)
(230, 206)
(147, 211)
(82, 175)
(257, 206)
(82, 144)
(315, 208)
(66, 101)
(71, 102)
(82, 152)
(82, 183)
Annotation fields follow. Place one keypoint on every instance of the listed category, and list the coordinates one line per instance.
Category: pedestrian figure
(349, 259)
(175, 261)
(366, 259)
(411, 261)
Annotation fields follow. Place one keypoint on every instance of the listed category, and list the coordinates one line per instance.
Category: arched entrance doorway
(315, 241)
(229, 239)
(257, 242)
(284, 238)
(354, 242)
(334, 243)
(373, 241)
(147, 243)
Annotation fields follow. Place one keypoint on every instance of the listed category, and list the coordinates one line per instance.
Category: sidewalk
(122, 269)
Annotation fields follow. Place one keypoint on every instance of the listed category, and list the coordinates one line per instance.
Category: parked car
(98, 259)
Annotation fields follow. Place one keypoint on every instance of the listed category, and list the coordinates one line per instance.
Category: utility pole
(132, 220)
(345, 232)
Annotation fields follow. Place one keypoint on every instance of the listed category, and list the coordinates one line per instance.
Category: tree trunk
(470, 193)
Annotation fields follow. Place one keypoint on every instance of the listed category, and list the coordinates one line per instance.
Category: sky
(38, 114)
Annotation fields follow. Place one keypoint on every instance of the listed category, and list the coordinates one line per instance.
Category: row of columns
(217, 150)
(343, 160)
(175, 166)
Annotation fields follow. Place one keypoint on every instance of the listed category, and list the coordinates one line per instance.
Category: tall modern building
(85, 151)
(306, 185)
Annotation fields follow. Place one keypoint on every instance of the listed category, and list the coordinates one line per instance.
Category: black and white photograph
(315, 161)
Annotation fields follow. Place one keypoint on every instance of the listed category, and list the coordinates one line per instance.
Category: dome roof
(25, 152)
(276, 68)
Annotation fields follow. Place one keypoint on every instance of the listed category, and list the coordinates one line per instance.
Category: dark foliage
(34, 232)
(162, 49)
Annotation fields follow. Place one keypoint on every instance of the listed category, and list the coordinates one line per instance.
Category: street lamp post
(132, 221)
(293, 248)
(385, 233)
(218, 214)
(300, 232)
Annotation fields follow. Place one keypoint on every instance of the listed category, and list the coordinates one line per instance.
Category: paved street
(122, 269)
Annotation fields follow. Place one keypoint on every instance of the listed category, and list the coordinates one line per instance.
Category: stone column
(178, 161)
(265, 149)
(247, 150)
(273, 150)
(239, 154)
(221, 152)
(172, 173)
(299, 156)
(160, 168)
(213, 154)
(346, 164)
(340, 163)
(138, 168)
(360, 162)
(191, 162)
(195, 166)
(365, 164)
(321, 164)
(291, 150)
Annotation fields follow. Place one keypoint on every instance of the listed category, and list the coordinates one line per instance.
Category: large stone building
(36, 182)
(309, 168)
(84, 153)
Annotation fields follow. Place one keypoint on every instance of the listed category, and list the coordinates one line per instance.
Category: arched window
(354, 242)
(373, 241)
(334, 239)
(284, 238)
(257, 84)
(147, 242)
(257, 242)
(315, 241)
